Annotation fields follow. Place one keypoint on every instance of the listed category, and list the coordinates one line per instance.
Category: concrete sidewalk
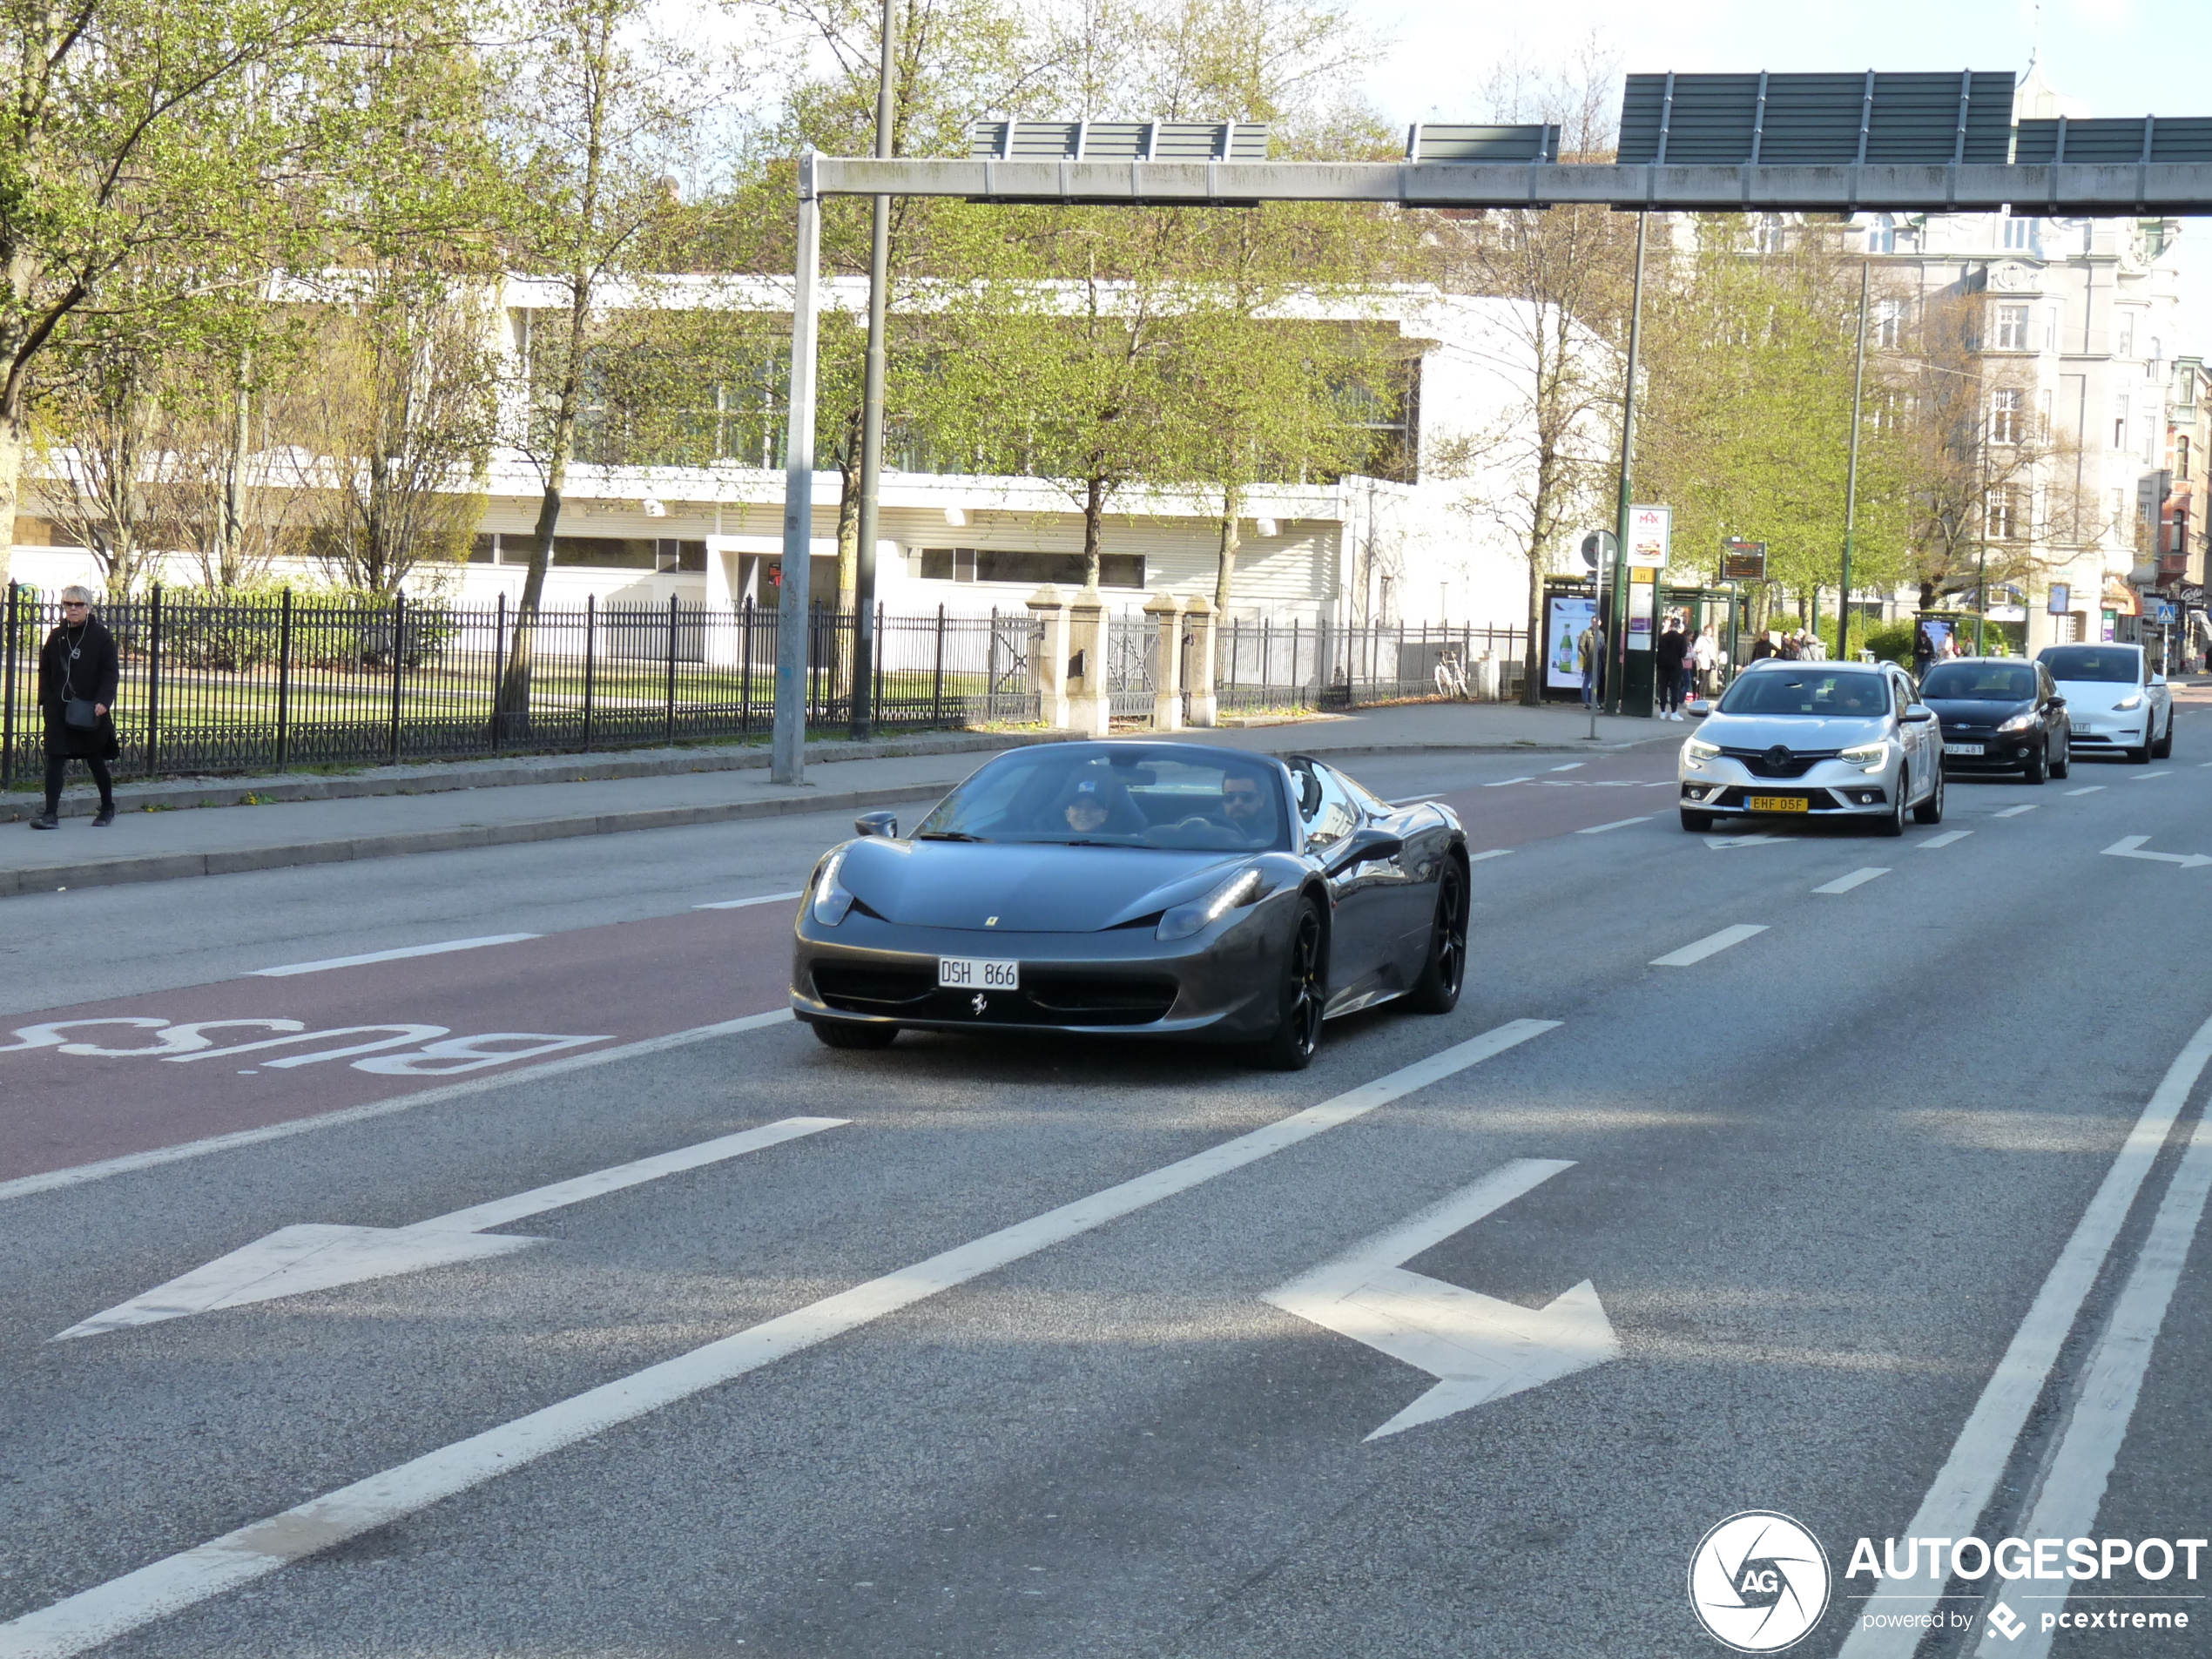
(422, 809)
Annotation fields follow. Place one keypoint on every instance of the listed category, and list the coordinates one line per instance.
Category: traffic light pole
(1616, 640)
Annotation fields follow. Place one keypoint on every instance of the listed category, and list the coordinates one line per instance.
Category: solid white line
(1569, 766)
(2091, 790)
(1711, 943)
(77, 1175)
(1856, 879)
(741, 904)
(106, 1611)
(1944, 839)
(1494, 852)
(1623, 823)
(1502, 782)
(1969, 1476)
(290, 968)
(2074, 1487)
(2015, 812)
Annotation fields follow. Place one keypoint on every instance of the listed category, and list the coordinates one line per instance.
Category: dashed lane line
(2087, 789)
(1569, 766)
(1710, 945)
(1944, 840)
(1968, 1479)
(2015, 812)
(1494, 852)
(1618, 823)
(743, 904)
(1502, 782)
(2145, 776)
(404, 951)
(1856, 879)
(78, 1175)
(106, 1611)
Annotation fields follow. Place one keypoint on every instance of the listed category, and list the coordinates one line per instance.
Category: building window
(1888, 323)
(2043, 423)
(2000, 514)
(2120, 421)
(1031, 569)
(1881, 236)
(2012, 328)
(2020, 234)
(2004, 409)
(1769, 235)
(2127, 346)
(2181, 457)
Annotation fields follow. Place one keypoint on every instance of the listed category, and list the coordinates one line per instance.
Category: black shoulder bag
(79, 713)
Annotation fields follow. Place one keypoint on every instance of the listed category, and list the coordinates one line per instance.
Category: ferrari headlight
(2135, 702)
(1197, 916)
(1867, 757)
(1696, 750)
(2024, 721)
(832, 899)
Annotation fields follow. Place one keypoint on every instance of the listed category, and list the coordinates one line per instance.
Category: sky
(2121, 57)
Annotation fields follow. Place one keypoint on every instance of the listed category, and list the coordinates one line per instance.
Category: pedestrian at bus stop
(1705, 657)
(1668, 655)
(79, 672)
(1590, 657)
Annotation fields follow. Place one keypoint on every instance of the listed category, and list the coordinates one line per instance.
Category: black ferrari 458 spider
(1156, 889)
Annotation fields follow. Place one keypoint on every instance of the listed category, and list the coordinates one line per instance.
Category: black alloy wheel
(2164, 748)
(1893, 822)
(2142, 757)
(2062, 763)
(1931, 810)
(1298, 1027)
(2037, 766)
(854, 1033)
(1437, 991)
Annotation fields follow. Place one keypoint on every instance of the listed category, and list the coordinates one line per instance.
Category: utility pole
(787, 756)
(871, 409)
(1616, 642)
(1851, 487)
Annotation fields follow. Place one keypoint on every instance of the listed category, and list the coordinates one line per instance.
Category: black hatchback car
(1999, 714)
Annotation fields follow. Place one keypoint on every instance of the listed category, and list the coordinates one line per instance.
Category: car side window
(1328, 813)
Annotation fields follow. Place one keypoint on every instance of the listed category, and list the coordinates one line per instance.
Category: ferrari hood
(1030, 889)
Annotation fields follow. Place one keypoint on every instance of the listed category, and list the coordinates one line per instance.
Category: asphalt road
(1820, 1180)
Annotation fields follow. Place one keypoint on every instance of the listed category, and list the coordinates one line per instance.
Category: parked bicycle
(1451, 677)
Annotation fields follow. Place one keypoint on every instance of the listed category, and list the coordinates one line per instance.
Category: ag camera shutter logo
(1758, 1581)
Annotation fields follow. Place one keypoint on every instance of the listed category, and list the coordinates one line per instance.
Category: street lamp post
(1616, 642)
(872, 412)
(1850, 486)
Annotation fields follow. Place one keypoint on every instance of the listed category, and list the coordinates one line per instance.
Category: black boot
(105, 816)
(46, 821)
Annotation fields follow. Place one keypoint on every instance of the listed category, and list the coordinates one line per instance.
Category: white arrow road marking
(1944, 840)
(1569, 766)
(1619, 823)
(295, 1261)
(1479, 1348)
(1856, 879)
(742, 904)
(1698, 950)
(290, 968)
(2015, 812)
(2086, 789)
(2129, 847)
(106, 1611)
(1717, 842)
(1984, 1445)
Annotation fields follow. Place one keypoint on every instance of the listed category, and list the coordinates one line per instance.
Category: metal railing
(226, 685)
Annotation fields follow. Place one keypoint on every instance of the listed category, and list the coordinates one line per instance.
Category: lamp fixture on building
(956, 516)
(655, 508)
(1264, 526)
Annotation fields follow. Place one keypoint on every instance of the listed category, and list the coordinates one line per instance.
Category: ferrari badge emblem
(979, 1002)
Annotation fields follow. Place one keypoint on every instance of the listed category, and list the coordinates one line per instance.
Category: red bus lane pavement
(1561, 798)
(100, 1080)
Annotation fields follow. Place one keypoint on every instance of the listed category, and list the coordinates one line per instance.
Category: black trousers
(56, 765)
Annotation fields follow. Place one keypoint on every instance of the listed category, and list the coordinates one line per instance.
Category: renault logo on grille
(1779, 756)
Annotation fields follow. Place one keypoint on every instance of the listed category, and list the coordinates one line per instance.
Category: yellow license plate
(1779, 804)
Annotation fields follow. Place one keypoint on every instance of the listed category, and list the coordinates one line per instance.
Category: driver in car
(1089, 810)
(1245, 805)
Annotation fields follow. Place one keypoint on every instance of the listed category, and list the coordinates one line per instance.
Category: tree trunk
(1224, 582)
(513, 714)
(1094, 514)
(1532, 670)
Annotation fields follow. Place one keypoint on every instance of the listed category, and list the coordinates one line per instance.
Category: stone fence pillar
(1048, 670)
(1200, 622)
(1166, 612)
(1089, 711)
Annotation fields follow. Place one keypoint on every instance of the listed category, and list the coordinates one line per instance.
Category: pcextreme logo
(1758, 1581)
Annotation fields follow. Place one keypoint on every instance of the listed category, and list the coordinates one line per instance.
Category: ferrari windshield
(1166, 797)
(1980, 682)
(1835, 694)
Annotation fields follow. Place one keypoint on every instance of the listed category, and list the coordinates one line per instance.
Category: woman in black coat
(79, 664)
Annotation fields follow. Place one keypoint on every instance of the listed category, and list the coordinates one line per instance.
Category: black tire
(1931, 810)
(1696, 822)
(2063, 766)
(1437, 991)
(1893, 823)
(2039, 763)
(854, 1034)
(2142, 757)
(1300, 996)
(2163, 749)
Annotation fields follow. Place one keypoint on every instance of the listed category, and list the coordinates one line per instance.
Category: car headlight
(2135, 702)
(1187, 919)
(1697, 750)
(1867, 757)
(2023, 722)
(831, 898)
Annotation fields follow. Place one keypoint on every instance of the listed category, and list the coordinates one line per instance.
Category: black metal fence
(228, 686)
